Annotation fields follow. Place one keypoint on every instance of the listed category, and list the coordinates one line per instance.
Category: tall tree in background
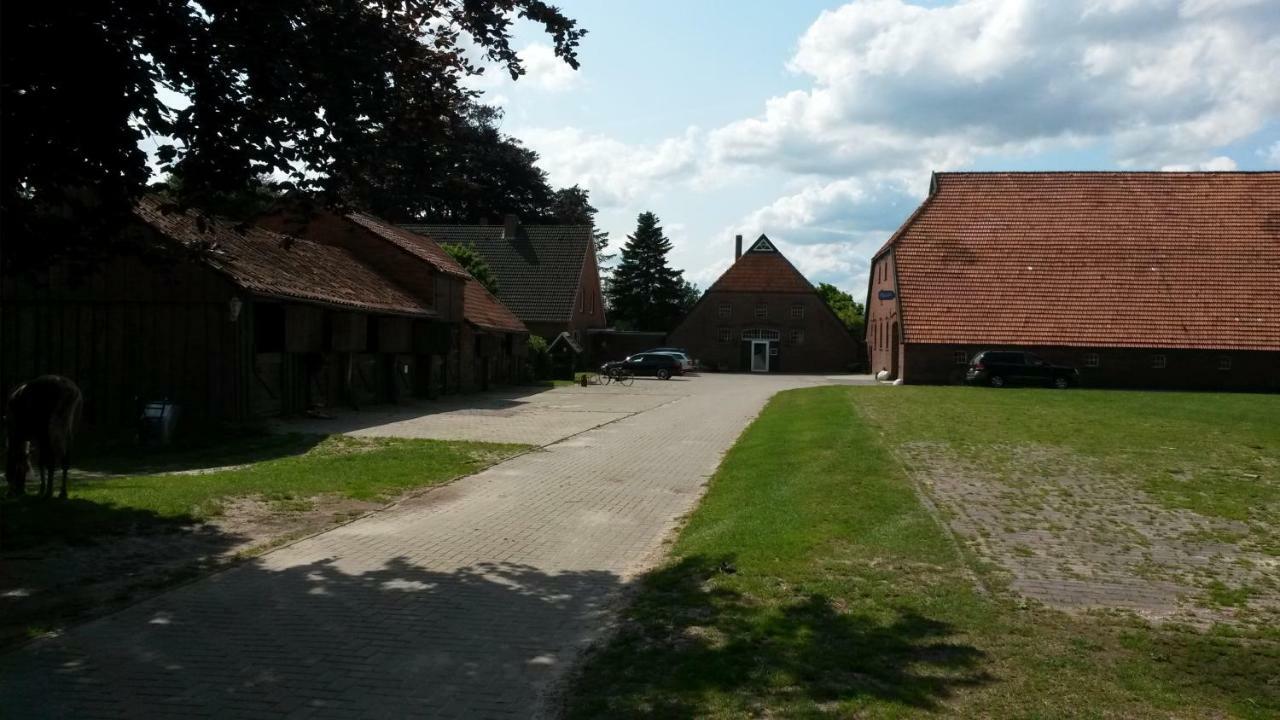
(850, 312)
(474, 263)
(302, 90)
(645, 292)
(572, 206)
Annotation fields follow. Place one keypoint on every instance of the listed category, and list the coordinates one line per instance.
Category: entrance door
(759, 356)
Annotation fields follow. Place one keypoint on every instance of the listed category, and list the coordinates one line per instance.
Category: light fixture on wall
(233, 308)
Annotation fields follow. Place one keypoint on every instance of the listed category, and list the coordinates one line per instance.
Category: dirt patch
(1063, 531)
(42, 588)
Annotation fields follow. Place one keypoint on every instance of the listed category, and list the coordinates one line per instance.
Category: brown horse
(41, 413)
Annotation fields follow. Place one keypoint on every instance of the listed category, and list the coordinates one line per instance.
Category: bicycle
(622, 376)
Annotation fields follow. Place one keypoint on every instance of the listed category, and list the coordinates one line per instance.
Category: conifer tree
(645, 293)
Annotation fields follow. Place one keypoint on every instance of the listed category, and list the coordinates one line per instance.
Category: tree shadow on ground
(691, 647)
(397, 640)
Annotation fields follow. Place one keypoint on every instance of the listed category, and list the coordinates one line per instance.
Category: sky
(819, 123)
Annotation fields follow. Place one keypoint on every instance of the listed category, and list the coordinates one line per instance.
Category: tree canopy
(645, 293)
(309, 93)
(474, 263)
(850, 312)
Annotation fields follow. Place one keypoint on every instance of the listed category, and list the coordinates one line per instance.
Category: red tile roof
(280, 266)
(766, 272)
(1176, 260)
(482, 309)
(413, 243)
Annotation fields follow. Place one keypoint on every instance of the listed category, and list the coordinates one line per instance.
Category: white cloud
(896, 84)
(542, 71)
(613, 171)
(1271, 155)
(843, 210)
(1220, 163)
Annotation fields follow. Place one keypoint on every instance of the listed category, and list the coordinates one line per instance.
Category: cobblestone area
(1072, 536)
(468, 601)
(533, 416)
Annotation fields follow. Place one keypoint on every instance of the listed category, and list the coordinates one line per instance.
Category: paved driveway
(469, 601)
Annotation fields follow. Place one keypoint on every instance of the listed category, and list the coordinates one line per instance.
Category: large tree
(850, 312)
(303, 91)
(645, 293)
(474, 263)
(572, 206)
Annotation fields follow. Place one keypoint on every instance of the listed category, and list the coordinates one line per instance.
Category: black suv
(648, 364)
(998, 368)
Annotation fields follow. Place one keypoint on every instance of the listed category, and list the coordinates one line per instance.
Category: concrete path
(469, 601)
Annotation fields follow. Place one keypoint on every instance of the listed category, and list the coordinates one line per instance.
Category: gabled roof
(1116, 259)
(412, 243)
(538, 271)
(482, 309)
(280, 266)
(762, 269)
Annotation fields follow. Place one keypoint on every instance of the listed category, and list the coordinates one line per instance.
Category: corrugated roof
(280, 266)
(538, 271)
(482, 309)
(1177, 260)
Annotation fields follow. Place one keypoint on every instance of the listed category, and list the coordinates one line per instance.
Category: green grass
(811, 582)
(299, 467)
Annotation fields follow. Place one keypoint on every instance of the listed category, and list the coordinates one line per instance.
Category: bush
(539, 360)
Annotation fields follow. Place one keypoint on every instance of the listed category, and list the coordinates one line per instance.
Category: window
(762, 311)
(797, 312)
(1091, 360)
(726, 310)
(797, 337)
(758, 334)
(959, 357)
(1159, 362)
(726, 335)
(1224, 362)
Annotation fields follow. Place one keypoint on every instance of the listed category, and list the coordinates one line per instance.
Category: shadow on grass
(693, 647)
(196, 452)
(394, 640)
(29, 521)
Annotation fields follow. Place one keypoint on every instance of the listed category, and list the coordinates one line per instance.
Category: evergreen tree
(572, 206)
(645, 293)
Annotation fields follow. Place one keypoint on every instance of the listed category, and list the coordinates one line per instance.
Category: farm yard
(1017, 553)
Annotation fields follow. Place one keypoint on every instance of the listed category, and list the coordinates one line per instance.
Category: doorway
(760, 356)
(894, 351)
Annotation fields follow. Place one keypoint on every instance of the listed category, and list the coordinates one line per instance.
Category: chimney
(737, 247)
(509, 224)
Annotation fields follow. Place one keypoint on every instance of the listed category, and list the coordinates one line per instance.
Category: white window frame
(761, 334)
(1159, 362)
(796, 336)
(1224, 362)
(960, 357)
(1092, 360)
(762, 311)
(724, 335)
(797, 312)
(725, 311)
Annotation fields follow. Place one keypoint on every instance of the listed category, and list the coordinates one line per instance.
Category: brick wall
(826, 345)
(1117, 367)
(883, 331)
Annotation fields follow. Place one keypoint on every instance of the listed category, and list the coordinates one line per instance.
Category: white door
(759, 356)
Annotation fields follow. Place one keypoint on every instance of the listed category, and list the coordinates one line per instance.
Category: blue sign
(887, 295)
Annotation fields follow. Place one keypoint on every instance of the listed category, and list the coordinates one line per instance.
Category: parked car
(650, 364)
(998, 368)
(685, 358)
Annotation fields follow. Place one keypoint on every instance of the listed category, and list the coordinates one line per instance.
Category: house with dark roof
(547, 274)
(762, 315)
(475, 343)
(1138, 279)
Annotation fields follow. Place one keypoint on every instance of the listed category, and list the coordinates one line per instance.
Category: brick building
(762, 315)
(547, 274)
(1139, 279)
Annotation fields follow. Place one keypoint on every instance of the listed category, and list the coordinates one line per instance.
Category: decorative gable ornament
(763, 244)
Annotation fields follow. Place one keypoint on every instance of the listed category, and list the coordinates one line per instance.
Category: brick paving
(468, 601)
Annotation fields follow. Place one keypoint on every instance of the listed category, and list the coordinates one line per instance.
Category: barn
(762, 315)
(1138, 279)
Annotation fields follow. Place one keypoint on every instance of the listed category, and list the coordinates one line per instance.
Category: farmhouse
(1138, 279)
(235, 322)
(547, 274)
(762, 315)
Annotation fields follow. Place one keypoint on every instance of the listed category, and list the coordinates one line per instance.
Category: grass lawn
(165, 489)
(813, 582)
